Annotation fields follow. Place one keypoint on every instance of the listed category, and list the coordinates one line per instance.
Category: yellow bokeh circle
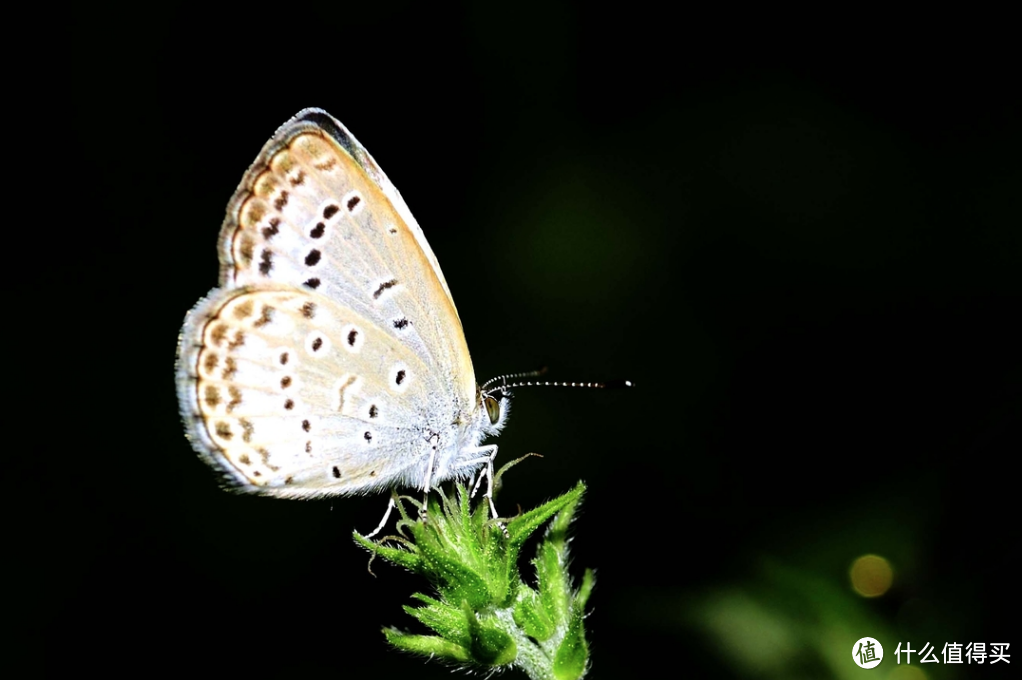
(871, 575)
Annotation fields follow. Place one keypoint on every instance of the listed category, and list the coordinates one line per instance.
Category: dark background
(798, 235)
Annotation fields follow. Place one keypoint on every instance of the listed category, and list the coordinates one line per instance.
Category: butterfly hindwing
(295, 395)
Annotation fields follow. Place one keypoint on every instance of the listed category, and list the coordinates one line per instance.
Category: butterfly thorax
(468, 431)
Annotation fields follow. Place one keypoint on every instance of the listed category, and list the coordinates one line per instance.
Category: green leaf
(588, 581)
(522, 527)
(554, 590)
(531, 616)
(490, 645)
(449, 622)
(427, 645)
(403, 557)
(573, 653)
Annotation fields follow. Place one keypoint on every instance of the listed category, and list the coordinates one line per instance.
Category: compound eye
(492, 409)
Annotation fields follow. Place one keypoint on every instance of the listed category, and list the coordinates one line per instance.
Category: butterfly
(331, 359)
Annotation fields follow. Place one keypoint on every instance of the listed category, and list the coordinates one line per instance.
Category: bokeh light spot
(871, 575)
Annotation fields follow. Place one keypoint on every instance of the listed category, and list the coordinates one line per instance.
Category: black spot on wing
(385, 286)
(281, 200)
(266, 262)
(272, 229)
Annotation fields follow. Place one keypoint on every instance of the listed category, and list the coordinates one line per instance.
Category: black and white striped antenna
(516, 381)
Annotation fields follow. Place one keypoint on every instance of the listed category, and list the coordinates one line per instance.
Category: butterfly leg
(490, 452)
(475, 485)
(386, 516)
(426, 484)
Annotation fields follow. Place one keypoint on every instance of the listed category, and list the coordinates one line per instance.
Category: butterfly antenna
(512, 376)
(607, 385)
(516, 381)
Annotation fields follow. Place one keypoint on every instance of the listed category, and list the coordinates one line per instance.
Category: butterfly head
(494, 403)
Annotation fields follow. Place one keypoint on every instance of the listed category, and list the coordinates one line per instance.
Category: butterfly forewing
(314, 211)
